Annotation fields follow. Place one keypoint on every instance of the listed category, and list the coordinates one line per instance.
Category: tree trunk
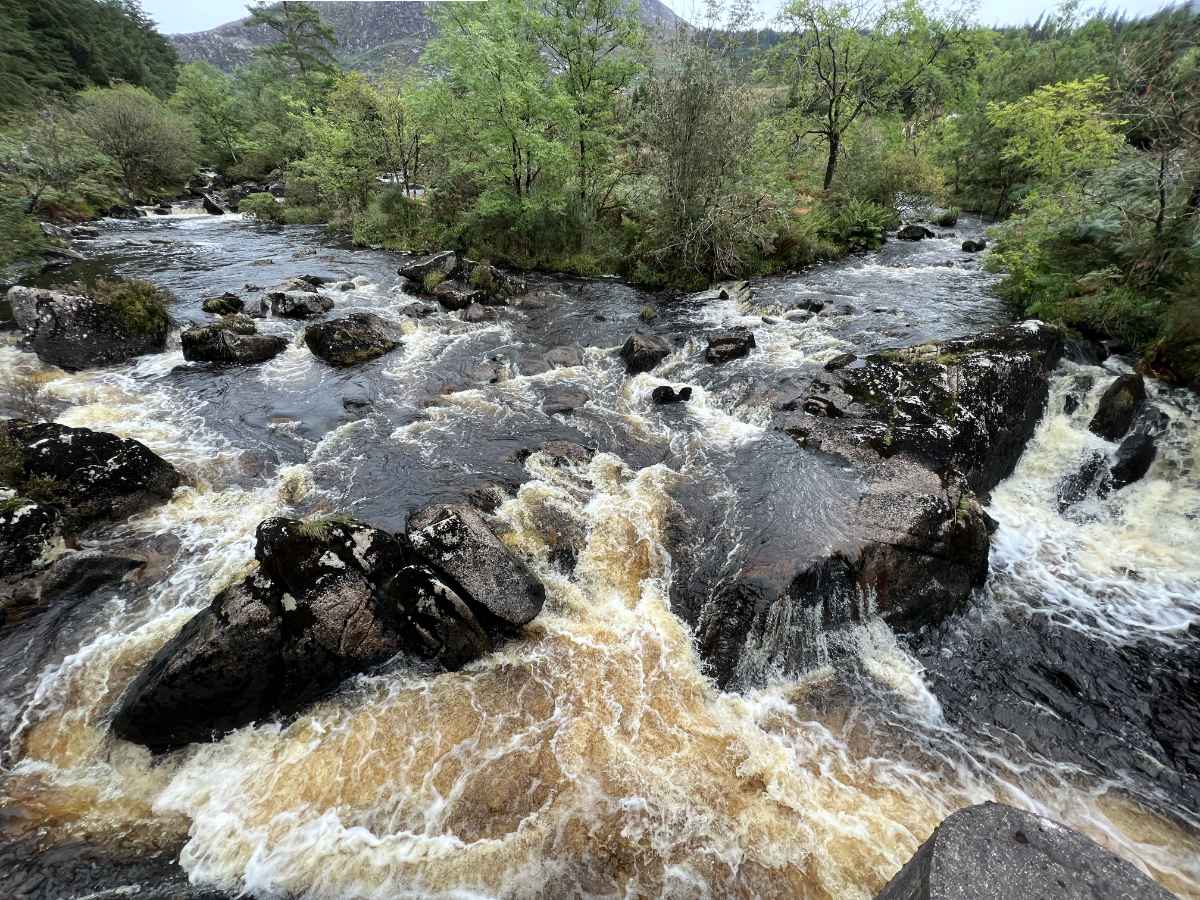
(835, 141)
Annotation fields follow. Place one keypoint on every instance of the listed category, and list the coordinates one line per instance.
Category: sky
(174, 16)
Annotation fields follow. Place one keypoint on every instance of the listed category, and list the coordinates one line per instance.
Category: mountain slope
(370, 35)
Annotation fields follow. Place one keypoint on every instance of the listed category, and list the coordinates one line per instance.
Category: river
(593, 757)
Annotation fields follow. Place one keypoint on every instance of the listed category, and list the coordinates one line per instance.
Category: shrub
(947, 218)
(859, 225)
(141, 305)
(20, 236)
(482, 277)
(263, 208)
(432, 280)
(303, 215)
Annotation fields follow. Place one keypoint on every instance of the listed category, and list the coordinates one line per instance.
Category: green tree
(846, 60)
(47, 153)
(205, 95)
(151, 146)
(306, 43)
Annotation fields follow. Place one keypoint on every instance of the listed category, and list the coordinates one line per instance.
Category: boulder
(664, 393)
(970, 246)
(914, 233)
(54, 231)
(77, 331)
(996, 852)
(223, 305)
(840, 362)
(228, 342)
(642, 352)
(1133, 459)
(84, 232)
(87, 475)
(163, 209)
(352, 339)
(445, 263)
(299, 304)
(1119, 405)
(277, 189)
(28, 532)
(454, 294)
(809, 304)
(562, 401)
(456, 540)
(476, 313)
(332, 598)
(125, 212)
(729, 344)
(212, 207)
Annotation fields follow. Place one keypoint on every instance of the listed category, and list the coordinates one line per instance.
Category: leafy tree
(205, 95)
(594, 47)
(846, 60)
(48, 153)
(151, 146)
(306, 42)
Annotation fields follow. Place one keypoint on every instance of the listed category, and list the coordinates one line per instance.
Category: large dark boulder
(299, 304)
(445, 264)
(78, 331)
(28, 532)
(355, 338)
(664, 393)
(212, 207)
(642, 352)
(996, 852)
(88, 475)
(226, 342)
(728, 344)
(332, 598)
(925, 431)
(1133, 459)
(454, 295)
(970, 246)
(456, 540)
(1119, 405)
(914, 233)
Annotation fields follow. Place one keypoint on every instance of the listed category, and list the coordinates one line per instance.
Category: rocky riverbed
(525, 589)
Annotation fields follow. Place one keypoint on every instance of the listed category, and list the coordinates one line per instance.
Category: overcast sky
(175, 16)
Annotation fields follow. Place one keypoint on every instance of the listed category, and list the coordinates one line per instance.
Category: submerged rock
(1092, 478)
(356, 338)
(458, 542)
(229, 342)
(729, 344)
(996, 852)
(642, 352)
(1118, 407)
(332, 598)
(970, 246)
(78, 331)
(87, 475)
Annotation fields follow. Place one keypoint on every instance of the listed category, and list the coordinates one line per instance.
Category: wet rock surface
(997, 852)
(356, 338)
(729, 344)
(28, 531)
(87, 475)
(332, 598)
(642, 352)
(228, 342)
(76, 331)
(914, 233)
(1118, 407)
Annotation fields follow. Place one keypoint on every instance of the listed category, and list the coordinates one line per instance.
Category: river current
(592, 757)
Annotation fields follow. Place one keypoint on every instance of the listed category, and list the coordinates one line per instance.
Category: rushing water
(592, 757)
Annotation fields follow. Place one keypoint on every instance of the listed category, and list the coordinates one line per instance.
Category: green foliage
(52, 48)
(263, 207)
(860, 224)
(205, 95)
(482, 277)
(152, 147)
(947, 218)
(432, 280)
(20, 236)
(648, 313)
(305, 44)
(141, 305)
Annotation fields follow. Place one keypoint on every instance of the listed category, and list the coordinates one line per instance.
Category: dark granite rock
(356, 338)
(997, 852)
(729, 344)
(642, 352)
(1118, 407)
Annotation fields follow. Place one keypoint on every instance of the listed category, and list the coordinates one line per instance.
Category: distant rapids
(593, 757)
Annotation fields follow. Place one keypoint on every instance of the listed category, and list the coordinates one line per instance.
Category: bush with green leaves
(262, 208)
(141, 305)
(859, 224)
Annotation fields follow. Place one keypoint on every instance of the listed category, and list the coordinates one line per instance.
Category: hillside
(370, 35)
